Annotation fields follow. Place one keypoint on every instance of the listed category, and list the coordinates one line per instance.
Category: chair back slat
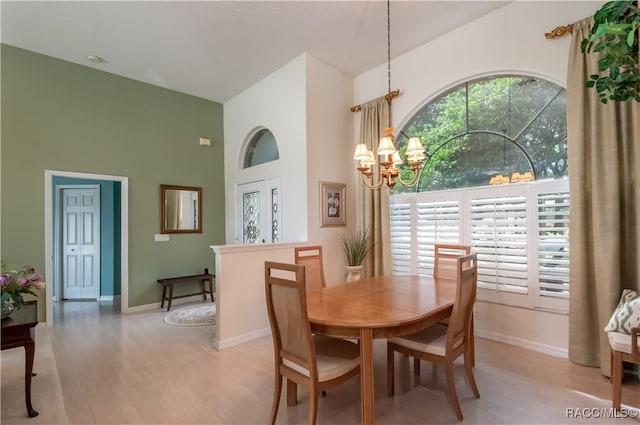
(311, 258)
(466, 285)
(445, 256)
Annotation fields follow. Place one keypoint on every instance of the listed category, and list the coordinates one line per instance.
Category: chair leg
(616, 378)
(472, 343)
(292, 393)
(453, 397)
(313, 405)
(611, 367)
(277, 389)
(390, 370)
(416, 366)
(468, 365)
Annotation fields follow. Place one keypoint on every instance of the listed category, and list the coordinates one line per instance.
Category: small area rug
(193, 315)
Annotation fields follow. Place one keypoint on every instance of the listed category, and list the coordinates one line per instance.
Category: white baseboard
(523, 343)
(221, 345)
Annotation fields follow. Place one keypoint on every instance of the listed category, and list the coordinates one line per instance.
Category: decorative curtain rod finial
(559, 31)
(388, 96)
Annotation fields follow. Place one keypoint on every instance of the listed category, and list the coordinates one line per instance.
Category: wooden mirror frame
(165, 211)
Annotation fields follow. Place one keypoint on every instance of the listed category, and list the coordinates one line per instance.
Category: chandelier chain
(386, 169)
(389, 46)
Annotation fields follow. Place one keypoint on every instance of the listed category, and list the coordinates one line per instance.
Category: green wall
(65, 117)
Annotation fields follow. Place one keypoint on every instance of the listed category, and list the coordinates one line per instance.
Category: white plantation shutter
(417, 224)
(438, 222)
(519, 231)
(499, 237)
(553, 244)
(401, 231)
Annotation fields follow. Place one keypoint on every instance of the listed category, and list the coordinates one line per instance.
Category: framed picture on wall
(332, 204)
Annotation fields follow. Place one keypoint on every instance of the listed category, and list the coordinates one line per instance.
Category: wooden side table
(167, 287)
(18, 330)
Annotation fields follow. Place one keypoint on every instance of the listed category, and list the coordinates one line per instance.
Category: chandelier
(390, 157)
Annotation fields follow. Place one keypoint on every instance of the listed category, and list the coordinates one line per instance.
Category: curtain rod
(388, 96)
(559, 31)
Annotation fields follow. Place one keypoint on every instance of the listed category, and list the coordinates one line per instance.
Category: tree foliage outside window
(489, 126)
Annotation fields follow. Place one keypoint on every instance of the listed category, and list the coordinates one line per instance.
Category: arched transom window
(262, 147)
(510, 126)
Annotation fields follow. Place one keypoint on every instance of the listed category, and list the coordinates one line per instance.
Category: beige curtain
(374, 119)
(604, 159)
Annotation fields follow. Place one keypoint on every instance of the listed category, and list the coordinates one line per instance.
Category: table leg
(29, 351)
(366, 376)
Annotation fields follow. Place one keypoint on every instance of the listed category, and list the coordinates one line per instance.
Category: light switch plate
(161, 237)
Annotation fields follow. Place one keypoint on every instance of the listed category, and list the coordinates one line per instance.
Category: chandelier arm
(372, 186)
(414, 180)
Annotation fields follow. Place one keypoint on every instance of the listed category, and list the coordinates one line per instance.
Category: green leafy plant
(615, 35)
(356, 246)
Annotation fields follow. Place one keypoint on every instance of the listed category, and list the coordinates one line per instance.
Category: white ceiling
(217, 49)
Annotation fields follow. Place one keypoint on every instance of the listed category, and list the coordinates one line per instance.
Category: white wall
(306, 106)
(241, 306)
(510, 39)
(277, 103)
(329, 141)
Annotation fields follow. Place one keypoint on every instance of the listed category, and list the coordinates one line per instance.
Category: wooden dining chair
(440, 343)
(444, 265)
(311, 258)
(624, 348)
(315, 361)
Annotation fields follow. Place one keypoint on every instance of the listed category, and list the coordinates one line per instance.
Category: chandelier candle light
(386, 149)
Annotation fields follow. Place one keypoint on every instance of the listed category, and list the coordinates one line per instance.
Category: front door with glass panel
(258, 204)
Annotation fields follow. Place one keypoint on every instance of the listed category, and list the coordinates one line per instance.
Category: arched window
(262, 147)
(512, 126)
(500, 129)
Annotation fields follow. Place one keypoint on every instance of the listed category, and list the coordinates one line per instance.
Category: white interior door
(258, 204)
(81, 243)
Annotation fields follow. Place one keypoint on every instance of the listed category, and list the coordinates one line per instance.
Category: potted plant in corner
(356, 248)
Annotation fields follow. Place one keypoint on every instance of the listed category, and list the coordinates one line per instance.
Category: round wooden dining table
(378, 307)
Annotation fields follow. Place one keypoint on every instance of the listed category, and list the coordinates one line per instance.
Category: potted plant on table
(14, 283)
(356, 248)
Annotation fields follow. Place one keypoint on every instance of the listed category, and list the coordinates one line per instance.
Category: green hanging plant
(615, 35)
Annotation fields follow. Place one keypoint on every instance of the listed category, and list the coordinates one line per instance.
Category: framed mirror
(180, 209)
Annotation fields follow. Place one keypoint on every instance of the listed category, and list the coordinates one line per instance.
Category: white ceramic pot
(354, 273)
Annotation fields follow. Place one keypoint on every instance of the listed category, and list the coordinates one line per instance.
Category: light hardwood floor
(99, 367)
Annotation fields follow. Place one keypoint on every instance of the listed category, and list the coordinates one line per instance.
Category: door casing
(124, 233)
